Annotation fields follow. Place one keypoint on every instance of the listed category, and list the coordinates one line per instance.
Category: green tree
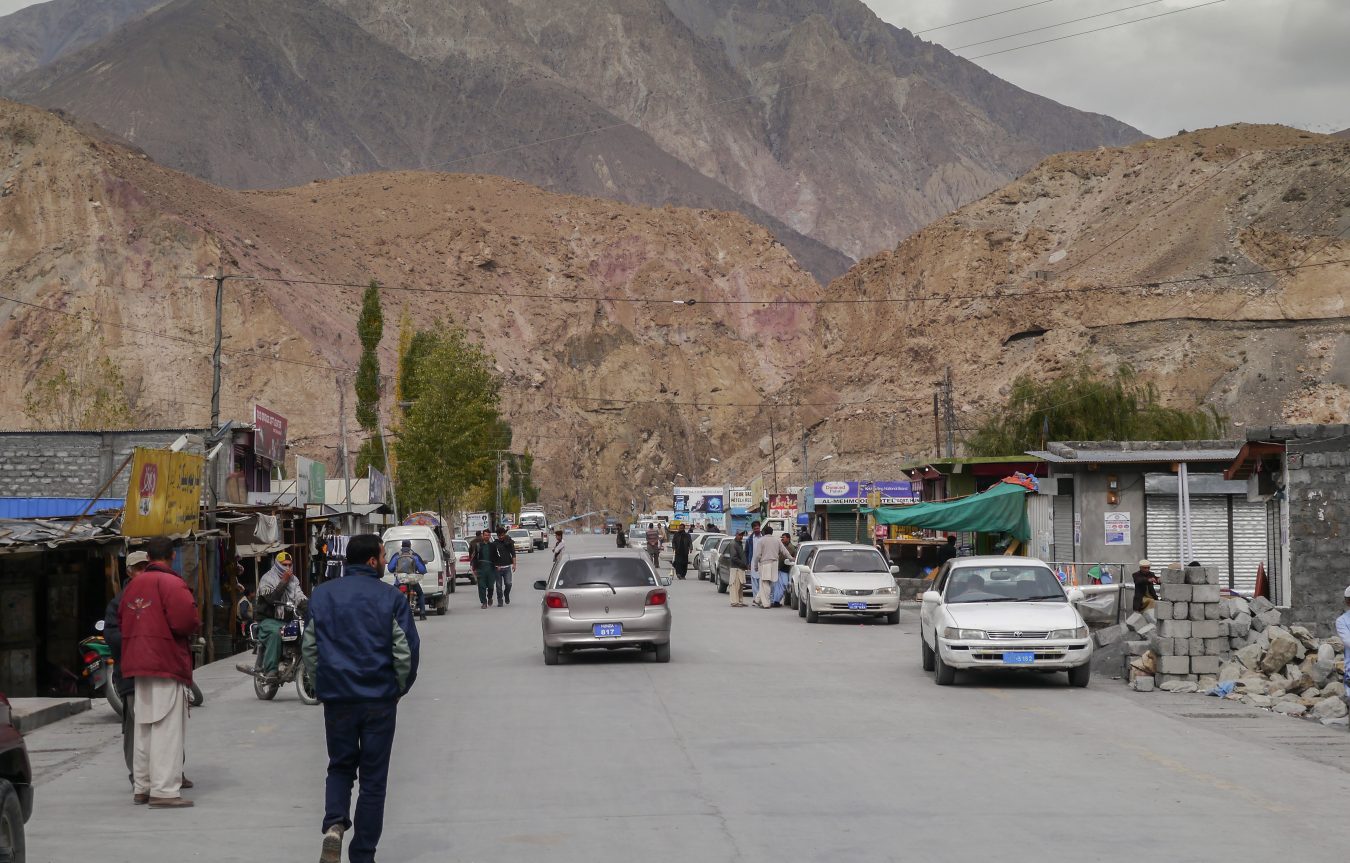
(93, 396)
(369, 329)
(1084, 404)
(453, 430)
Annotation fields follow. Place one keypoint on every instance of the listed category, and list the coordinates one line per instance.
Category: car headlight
(951, 633)
(1080, 632)
(884, 591)
(822, 589)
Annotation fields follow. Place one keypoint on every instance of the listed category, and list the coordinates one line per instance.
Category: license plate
(859, 605)
(607, 630)
(1019, 657)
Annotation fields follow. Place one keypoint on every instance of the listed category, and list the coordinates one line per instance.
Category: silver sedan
(605, 601)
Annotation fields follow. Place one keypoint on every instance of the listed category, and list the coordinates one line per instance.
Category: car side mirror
(931, 596)
(667, 581)
(540, 584)
(895, 570)
(1075, 595)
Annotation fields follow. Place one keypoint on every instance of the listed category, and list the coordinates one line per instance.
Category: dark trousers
(681, 567)
(128, 728)
(416, 588)
(485, 579)
(503, 584)
(360, 739)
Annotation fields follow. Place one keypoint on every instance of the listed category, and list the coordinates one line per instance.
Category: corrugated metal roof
(1150, 456)
(53, 507)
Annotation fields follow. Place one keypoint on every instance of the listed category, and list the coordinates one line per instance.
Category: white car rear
(438, 581)
(522, 539)
(1005, 613)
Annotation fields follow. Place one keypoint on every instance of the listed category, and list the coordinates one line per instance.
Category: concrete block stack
(1186, 632)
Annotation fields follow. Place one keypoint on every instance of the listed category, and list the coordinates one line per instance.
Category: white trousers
(768, 574)
(161, 727)
(737, 585)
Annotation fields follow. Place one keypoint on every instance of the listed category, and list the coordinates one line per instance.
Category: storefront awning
(1001, 509)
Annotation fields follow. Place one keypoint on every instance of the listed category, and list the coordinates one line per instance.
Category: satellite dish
(1056, 257)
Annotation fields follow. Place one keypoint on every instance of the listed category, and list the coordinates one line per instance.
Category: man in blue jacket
(361, 650)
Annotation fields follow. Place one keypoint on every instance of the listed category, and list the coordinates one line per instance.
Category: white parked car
(847, 579)
(799, 562)
(1003, 613)
(522, 539)
(704, 557)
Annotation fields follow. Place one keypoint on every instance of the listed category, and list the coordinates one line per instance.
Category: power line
(1053, 26)
(1097, 29)
(982, 17)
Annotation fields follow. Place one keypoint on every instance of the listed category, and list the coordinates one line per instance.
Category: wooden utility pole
(342, 451)
(773, 444)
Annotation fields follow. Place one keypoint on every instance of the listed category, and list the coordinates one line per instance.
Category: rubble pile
(1194, 640)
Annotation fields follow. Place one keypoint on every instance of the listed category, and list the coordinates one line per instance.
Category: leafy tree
(90, 397)
(1082, 404)
(369, 329)
(453, 430)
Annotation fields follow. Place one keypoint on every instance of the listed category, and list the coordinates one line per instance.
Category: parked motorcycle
(290, 665)
(98, 667)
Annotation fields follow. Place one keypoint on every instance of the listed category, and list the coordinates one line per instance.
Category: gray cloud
(1259, 61)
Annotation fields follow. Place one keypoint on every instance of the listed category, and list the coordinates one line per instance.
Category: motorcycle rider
(408, 566)
(277, 589)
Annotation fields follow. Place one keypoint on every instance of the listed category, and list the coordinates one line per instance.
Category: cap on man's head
(407, 543)
(283, 557)
(137, 558)
(1347, 590)
(1143, 564)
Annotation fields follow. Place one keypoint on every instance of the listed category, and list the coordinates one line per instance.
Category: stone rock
(1335, 688)
(1277, 693)
(1213, 611)
(1256, 700)
(1336, 644)
(1179, 686)
(1240, 625)
(1250, 656)
(1262, 639)
(1291, 708)
(1278, 681)
(1314, 670)
(1143, 683)
(1272, 617)
(1341, 722)
(1326, 656)
(1230, 671)
(1206, 683)
(1283, 648)
(1198, 575)
(1258, 624)
(1238, 605)
(1260, 604)
(1306, 638)
(1254, 685)
(1237, 643)
(1110, 635)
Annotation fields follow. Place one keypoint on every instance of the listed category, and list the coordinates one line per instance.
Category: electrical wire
(982, 17)
(1060, 24)
(1096, 30)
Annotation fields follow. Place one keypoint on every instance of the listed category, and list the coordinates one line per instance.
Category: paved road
(764, 739)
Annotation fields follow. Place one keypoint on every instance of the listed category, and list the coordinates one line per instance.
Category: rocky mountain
(1153, 255)
(44, 33)
(598, 390)
(814, 118)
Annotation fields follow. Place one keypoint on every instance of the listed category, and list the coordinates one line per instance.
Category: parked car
(1002, 613)
(16, 787)
(460, 563)
(704, 554)
(847, 579)
(798, 562)
(605, 601)
(521, 537)
(427, 544)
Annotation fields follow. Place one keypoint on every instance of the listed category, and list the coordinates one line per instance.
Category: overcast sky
(1270, 61)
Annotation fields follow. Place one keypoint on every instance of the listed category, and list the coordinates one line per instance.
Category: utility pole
(806, 465)
(949, 413)
(937, 428)
(342, 450)
(384, 450)
(215, 353)
(773, 444)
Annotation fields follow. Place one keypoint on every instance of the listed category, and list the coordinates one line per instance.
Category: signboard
(269, 440)
(311, 477)
(423, 519)
(477, 521)
(379, 486)
(1117, 528)
(856, 493)
(783, 506)
(164, 494)
(740, 498)
(698, 499)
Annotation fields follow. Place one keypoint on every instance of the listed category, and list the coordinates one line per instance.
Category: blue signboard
(851, 493)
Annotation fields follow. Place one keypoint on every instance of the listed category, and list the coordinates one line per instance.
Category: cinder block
(1143, 683)
(1173, 678)
(1216, 647)
(1136, 648)
(1225, 628)
(1195, 646)
(1174, 664)
(1175, 628)
(1197, 611)
(1205, 629)
(1162, 610)
(1206, 664)
(1200, 575)
(1172, 575)
(1214, 611)
(1175, 592)
(1205, 593)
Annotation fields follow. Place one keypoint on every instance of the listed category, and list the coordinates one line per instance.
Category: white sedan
(1002, 613)
(799, 563)
(847, 579)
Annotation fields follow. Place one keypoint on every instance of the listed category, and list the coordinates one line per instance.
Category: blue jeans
(503, 584)
(360, 739)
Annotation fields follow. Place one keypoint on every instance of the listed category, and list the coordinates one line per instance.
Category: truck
(536, 522)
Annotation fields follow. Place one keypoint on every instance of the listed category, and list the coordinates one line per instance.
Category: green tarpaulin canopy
(1001, 509)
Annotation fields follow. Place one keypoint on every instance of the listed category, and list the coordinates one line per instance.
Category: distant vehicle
(637, 533)
(847, 579)
(16, 787)
(611, 524)
(428, 545)
(459, 557)
(1001, 612)
(536, 522)
(722, 575)
(605, 601)
(522, 539)
(803, 550)
(704, 554)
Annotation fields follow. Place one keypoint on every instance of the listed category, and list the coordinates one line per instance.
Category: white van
(437, 584)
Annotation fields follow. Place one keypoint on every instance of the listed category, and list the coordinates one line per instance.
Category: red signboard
(783, 506)
(269, 441)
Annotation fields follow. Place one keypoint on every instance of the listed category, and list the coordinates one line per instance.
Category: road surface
(764, 739)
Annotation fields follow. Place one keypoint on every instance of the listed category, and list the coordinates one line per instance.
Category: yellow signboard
(164, 493)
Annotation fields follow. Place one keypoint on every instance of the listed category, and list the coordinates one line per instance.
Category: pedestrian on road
(157, 616)
(503, 564)
(750, 540)
(681, 543)
(654, 545)
(1145, 590)
(948, 551)
(768, 551)
(736, 570)
(361, 650)
(480, 558)
(559, 545)
(621, 538)
(125, 686)
(279, 600)
(780, 586)
(409, 568)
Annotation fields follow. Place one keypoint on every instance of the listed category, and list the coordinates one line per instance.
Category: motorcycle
(98, 670)
(290, 665)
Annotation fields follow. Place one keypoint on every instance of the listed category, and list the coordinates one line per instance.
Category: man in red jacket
(158, 615)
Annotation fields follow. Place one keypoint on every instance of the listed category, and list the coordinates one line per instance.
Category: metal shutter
(1249, 543)
(1160, 528)
(846, 526)
(1039, 508)
(1063, 515)
(1211, 533)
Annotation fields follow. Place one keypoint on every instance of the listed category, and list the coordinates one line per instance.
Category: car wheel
(801, 607)
(663, 652)
(722, 586)
(552, 655)
(943, 674)
(893, 618)
(927, 654)
(792, 599)
(1081, 675)
(11, 824)
(812, 616)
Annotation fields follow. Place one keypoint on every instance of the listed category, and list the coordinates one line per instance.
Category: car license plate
(861, 605)
(1019, 657)
(607, 630)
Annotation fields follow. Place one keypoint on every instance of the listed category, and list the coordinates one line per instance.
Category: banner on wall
(164, 493)
(698, 500)
(852, 493)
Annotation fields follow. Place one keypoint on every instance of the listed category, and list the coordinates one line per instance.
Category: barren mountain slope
(45, 32)
(93, 229)
(1013, 284)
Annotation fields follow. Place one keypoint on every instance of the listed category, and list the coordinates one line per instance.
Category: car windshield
(1003, 584)
(460, 544)
(422, 547)
(849, 560)
(606, 571)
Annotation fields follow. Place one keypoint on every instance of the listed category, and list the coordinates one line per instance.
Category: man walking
(361, 650)
(279, 599)
(503, 564)
(780, 586)
(481, 561)
(125, 686)
(768, 551)
(559, 545)
(736, 570)
(409, 568)
(654, 545)
(157, 616)
(680, 544)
